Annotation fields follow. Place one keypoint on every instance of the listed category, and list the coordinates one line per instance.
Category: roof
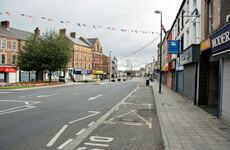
(92, 40)
(77, 41)
(15, 33)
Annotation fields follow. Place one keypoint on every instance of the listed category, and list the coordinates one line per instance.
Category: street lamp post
(159, 12)
(109, 63)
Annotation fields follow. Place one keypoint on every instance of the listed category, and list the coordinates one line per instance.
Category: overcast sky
(119, 14)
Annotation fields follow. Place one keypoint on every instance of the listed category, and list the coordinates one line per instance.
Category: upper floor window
(76, 65)
(81, 66)
(81, 56)
(85, 66)
(104, 68)
(86, 50)
(77, 56)
(89, 58)
(13, 60)
(97, 48)
(81, 49)
(3, 58)
(89, 66)
(89, 50)
(14, 45)
(77, 47)
(182, 19)
(23, 46)
(104, 60)
(3, 44)
(178, 23)
(85, 57)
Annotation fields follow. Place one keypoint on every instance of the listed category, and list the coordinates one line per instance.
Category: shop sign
(89, 71)
(97, 72)
(8, 69)
(178, 66)
(191, 54)
(84, 71)
(205, 45)
(221, 40)
(78, 71)
(173, 47)
(166, 67)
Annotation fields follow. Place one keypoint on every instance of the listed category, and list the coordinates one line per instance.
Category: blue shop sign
(89, 71)
(78, 71)
(221, 40)
(173, 47)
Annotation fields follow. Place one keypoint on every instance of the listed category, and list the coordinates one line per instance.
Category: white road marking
(92, 98)
(75, 93)
(82, 148)
(2, 113)
(26, 103)
(80, 132)
(52, 141)
(100, 139)
(96, 144)
(47, 95)
(90, 124)
(64, 144)
(94, 113)
(6, 92)
(25, 96)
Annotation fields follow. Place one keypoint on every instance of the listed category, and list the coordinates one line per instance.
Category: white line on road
(94, 113)
(51, 142)
(80, 132)
(92, 98)
(90, 124)
(47, 95)
(75, 93)
(25, 96)
(64, 144)
(96, 144)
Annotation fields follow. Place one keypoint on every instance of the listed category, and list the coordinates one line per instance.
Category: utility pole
(109, 63)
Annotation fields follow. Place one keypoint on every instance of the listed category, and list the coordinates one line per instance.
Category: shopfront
(8, 74)
(169, 75)
(173, 72)
(83, 75)
(97, 75)
(220, 48)
(189, 58)
(179, 77)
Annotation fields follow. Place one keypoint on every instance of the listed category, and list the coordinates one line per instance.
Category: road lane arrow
(92, 98)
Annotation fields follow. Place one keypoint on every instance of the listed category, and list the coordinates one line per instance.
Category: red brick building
(106, 67)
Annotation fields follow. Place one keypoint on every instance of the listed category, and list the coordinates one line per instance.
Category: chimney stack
(6, 24)
(62, 31)
(37, 31)
(73, 34)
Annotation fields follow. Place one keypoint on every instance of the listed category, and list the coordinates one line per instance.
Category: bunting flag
(163, 29)
(141, 48)
(83, 25)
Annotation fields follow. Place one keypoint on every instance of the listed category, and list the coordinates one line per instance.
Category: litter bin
(61, 78)
(147, 82)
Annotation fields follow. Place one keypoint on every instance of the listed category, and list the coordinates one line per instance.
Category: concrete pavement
(186, 126)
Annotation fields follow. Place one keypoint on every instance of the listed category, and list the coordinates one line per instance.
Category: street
(80, 116)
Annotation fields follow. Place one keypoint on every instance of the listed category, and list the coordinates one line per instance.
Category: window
(93, 55)
(77, 56)
(104, 60)
(81, 56)
(89, 58)
(89, 66)
(85, 66)
(77, 47)
(3, 59)
(23, 46)
(104, 68)
(81, 66)
(85, 57)
(182, 43)
(97, 48)
(14, 45)
(178, 23)
(3, 44)
(13, 59)
(182, 20)
(89, 50)
(86, 50)
(81, 49)
(92, 65)
(210, 17)
(194, 32)
(76, 65)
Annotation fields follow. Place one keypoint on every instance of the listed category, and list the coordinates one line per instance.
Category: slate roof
(15, 33)
(78, 41)
(92, 40)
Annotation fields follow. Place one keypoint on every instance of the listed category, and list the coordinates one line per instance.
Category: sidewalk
(186, 126)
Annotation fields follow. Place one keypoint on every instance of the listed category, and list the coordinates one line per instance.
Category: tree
(49, 52)
(55, 52)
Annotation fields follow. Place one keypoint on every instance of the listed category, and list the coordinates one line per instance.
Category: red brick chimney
(6, 24)
(37, 31)
(73, 34)
(62, 31)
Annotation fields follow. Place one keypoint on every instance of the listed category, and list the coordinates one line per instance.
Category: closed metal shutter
(190, 82)
(180, 79)
(226, 94)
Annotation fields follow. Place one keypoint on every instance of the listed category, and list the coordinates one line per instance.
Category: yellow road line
(125, 114)
(148, 123)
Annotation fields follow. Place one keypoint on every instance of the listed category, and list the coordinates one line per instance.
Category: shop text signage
(186, 57)
(205, 45)
(8, 69)
(173, 47)
(221, 40)
(178, 66)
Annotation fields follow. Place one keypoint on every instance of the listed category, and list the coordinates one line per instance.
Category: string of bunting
(79, 24)
(139, 50)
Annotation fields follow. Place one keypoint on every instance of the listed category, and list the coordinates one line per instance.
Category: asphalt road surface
(79, 116)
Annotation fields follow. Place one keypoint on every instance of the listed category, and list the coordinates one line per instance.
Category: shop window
(3, 44)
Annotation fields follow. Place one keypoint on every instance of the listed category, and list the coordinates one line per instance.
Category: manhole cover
(146, 112)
